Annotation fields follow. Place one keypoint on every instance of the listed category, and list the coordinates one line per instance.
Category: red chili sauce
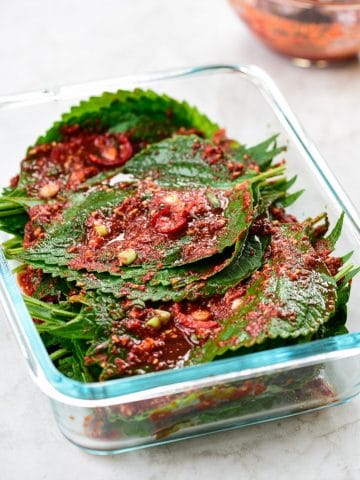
(80, 155)
(219, 155)
(40, 215)
(137, 347)
(29, 279)
(192, 323)
(291, 262)
(151, 223)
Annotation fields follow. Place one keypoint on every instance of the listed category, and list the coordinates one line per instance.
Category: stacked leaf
(186, 256)
(136, 118)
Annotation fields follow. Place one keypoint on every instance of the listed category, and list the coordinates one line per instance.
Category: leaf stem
(19, 268)
(12, 242)
(58, 354)
(272, 172)
(343, 272)
(317, 219)
(34, 302)
(6, 204)
(14, 251)
(11, 211)
(278, 181)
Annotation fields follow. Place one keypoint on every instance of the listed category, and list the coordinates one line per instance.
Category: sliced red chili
(169, 221)
(111, 150)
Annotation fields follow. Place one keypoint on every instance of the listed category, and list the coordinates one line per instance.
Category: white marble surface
(45, 43)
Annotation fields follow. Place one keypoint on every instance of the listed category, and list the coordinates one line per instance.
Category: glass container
(144, 410)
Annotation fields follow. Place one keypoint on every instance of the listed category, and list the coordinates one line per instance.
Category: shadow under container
(319, 31)
(145, 410)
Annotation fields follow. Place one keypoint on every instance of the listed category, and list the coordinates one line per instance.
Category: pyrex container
(155, 408)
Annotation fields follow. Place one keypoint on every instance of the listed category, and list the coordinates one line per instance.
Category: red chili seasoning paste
(40, 215)
(146, 227)
(146, 340)
(316, 32)
(29, 279)
(150, 339)
(65, 165)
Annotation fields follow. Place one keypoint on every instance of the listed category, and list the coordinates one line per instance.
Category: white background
(46, 43)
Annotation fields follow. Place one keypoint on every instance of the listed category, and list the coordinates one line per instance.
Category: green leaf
(289, 199)
(61, 237)
(144, 115)
(88, 320)
(14, 224)
(351, 275)
(172, 284)
(15, 200)
(336, 324)
(262, 153)
(73, 364)
(334, 235)
(64, 234)
(52, 289)
(346, 274)
(347, 257)
(185, 161)
(179, 162)
(139, 110)
(285, 305)
(244, 264)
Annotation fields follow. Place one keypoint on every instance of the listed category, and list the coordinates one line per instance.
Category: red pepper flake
(281, 216)
(246, 198)
(40, 215)
(65, 165)
(148, 225)
(189, 131)
(29, 279)
(213, 154)
(14, 181)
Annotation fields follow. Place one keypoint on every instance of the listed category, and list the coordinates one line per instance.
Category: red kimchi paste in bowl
(314, 30)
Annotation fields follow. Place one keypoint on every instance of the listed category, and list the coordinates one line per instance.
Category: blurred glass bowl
(310, 30)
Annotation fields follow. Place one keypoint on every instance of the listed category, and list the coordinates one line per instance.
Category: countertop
(44, 43)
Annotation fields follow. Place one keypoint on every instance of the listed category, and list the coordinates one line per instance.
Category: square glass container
(130, 413)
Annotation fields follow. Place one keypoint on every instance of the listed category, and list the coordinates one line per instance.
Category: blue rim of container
(60, 387)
